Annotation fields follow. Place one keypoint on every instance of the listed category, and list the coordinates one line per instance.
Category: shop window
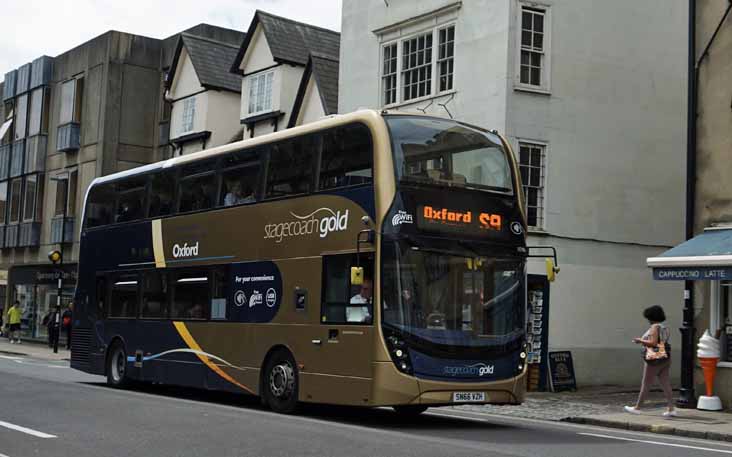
(346, 158)
(123, 296)
(343, 302)
(162, 194)
(725, 314)
(154, 295)
(290, 168)
(190, 294)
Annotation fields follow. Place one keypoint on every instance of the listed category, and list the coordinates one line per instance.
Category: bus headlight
(522, 355)
(399, 353)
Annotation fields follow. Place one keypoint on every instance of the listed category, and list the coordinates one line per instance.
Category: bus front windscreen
(450, 301)
(440, 152)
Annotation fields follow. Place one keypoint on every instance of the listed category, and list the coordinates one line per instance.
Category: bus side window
(154, 295)
(123, 296)
(346, 157)
(218, 293)
(131, 199)
(290, 168)
(342, 301)
(162, 194)
(190, 291)
(100, 205)
(198, 186)
(100, 298)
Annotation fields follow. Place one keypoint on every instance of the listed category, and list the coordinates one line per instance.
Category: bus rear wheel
(280, 383)
(117, 366)
(409, 410)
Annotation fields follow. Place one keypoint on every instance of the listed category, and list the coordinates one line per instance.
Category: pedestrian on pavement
(656, 334)
(2, 310)
(66, 320)
(14, 314)
(49, 320)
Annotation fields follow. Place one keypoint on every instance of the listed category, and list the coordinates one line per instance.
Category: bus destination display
(451, 220)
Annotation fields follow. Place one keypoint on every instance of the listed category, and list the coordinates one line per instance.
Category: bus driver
(364, 297)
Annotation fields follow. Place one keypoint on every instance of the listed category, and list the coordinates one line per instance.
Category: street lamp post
(57, 257)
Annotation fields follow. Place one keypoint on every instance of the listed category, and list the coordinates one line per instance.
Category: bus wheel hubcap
(282, 380)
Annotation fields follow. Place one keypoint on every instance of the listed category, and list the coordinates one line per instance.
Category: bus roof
(321, 124)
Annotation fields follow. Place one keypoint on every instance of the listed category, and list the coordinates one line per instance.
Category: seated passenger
(234, 195)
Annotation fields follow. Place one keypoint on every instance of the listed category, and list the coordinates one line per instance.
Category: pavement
(592, 406)
(33, 349)
(603, 406)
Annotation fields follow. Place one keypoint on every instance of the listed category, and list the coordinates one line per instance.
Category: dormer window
(260, 92)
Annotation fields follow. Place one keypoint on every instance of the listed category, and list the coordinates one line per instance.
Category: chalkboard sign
(561, 371)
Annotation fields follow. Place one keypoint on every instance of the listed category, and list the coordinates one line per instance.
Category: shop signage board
(692, 274)
(561, 371)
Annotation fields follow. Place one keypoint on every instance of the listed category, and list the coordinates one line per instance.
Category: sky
(32, 28)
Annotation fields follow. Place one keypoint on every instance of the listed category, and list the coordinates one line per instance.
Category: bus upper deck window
(290, 168)
(162, 194)
(346, 158)
(100, 205)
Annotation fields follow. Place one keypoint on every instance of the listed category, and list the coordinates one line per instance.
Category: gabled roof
(290, 41)
(324, 71)
(211, 59)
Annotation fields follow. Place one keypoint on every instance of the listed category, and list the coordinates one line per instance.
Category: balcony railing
(30, 234)
(68, 137)
(57, 226)
(11, 235)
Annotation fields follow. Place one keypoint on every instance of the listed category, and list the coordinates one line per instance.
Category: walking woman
(656, 365)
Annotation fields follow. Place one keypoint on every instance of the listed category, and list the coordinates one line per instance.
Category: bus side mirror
(551, 270)
(356, 276)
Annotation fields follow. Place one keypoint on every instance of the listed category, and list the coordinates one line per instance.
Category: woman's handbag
(659, 353)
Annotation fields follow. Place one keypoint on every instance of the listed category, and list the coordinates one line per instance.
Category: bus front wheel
(280, 383)
(409, 410)
(117, 366)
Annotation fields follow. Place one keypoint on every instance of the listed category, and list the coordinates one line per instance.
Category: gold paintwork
(157, 239)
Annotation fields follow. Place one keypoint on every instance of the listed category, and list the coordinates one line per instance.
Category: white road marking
(10, 358)
(660, 443)
(3, 455)
(29, 431)
(25, 362)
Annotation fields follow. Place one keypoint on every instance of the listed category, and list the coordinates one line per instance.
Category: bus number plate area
(467, 397)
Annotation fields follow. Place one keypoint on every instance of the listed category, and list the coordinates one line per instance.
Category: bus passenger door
(346, 331)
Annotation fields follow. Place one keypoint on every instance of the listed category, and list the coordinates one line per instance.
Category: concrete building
(706, 259)
(91, 111)
(289, 73)
(591, 94)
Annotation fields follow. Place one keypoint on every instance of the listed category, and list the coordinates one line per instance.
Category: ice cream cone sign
(708, 352)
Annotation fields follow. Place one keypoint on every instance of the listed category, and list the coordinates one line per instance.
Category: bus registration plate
(467, 397)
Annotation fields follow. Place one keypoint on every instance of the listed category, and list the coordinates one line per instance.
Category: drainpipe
(686, 396)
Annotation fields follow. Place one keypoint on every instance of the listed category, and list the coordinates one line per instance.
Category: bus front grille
(80, 348)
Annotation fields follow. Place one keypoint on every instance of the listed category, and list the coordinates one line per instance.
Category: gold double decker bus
(370, 259)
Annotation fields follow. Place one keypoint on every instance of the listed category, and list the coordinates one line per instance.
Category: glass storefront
(36, 288)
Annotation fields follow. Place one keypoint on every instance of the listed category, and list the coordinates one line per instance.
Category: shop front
(707, 260)
(36, 288)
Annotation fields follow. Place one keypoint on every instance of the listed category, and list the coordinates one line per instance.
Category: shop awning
(705, 257)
